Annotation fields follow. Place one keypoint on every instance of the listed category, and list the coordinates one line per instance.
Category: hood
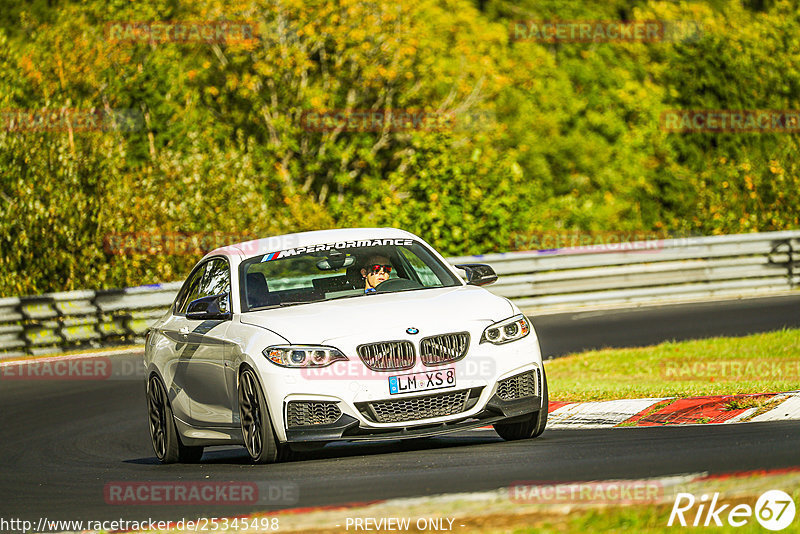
(386, 316)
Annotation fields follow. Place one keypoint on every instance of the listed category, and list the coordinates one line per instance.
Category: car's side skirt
(208, 437)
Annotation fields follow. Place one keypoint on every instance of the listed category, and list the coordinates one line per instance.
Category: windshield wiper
(344, 297)
(295, 302)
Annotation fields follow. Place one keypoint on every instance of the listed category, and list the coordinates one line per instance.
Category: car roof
(304, 239)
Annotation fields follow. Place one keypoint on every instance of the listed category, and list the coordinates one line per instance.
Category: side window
(189, 288)
(196, 291)
(212, 278)
(216, 280)
(425, 274)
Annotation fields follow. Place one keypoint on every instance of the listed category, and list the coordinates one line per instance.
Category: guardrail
(647, 271)
(537, 281)
(56, 322)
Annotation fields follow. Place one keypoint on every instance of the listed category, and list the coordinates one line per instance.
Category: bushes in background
(542, 136)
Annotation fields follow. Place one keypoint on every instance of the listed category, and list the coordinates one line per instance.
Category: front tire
(531, 428)
(259, 439)
(163, 432)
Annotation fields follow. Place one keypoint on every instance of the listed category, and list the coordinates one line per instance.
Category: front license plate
(425, 381)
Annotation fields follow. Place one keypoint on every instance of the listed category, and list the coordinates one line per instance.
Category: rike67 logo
(774, 510)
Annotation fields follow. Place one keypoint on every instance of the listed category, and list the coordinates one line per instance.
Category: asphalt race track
(63, 442)
(573, 332)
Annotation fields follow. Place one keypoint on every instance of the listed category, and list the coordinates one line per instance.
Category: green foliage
(546, 136)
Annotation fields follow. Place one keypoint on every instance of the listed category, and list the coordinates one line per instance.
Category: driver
(374, 272)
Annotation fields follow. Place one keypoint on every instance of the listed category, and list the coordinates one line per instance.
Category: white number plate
(425, 381)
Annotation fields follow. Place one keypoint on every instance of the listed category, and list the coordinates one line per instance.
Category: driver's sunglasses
(377, 268)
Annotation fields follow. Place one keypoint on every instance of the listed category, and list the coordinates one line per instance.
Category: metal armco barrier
(537, 281)
(647, 271)
(56, 322)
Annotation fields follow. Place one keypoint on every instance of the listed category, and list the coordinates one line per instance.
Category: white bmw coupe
(364, 334)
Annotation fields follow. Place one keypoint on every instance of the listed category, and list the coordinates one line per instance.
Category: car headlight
(507, 331)
(303, 355)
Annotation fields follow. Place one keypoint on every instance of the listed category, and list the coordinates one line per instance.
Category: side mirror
(478, 274)
(208, 308)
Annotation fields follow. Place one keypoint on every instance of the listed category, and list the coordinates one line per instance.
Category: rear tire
(259, 438)
(531, 428)
(163, 432)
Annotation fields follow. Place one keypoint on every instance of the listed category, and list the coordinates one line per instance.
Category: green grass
(653, 518)
(639, 519)
(498, 513)
(760, 363)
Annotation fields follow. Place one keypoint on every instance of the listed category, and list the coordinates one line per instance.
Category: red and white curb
(596, 414)
(673, 411)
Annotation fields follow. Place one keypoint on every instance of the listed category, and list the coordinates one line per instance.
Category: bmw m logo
(412, 330)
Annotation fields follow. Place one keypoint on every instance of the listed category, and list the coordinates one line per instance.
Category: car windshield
(332, 271)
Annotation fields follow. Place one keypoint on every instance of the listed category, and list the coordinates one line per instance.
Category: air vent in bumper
(527, 384)
(422, 407)
(307, 413)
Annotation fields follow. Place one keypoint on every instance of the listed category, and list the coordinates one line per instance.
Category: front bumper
(347, 428)
(517, 397)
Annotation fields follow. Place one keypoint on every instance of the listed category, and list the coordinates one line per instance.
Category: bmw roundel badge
(412, 330)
